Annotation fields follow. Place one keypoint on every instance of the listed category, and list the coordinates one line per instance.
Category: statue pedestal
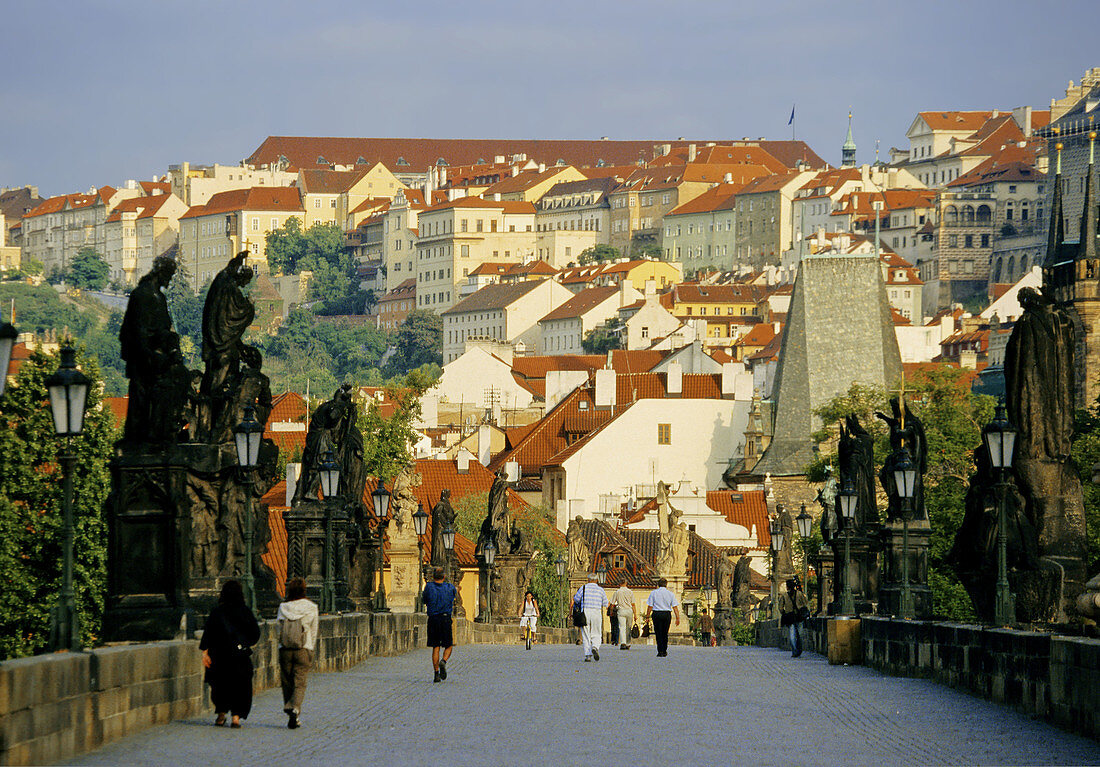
(889, 592)
(362, 572)
(402, 594)
(863, 569)
(508, 583)
(676, 584)
(305, 532)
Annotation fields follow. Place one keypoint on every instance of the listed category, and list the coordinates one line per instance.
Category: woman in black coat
(227, 639)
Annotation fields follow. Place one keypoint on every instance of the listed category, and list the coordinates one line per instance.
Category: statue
(159, 381)
(667, 518)
(723, 580)
(349, 454)
(321, 436)
(856, 456)
(826, 497)
(679, 541)
(226, 316)
(498, 525)
(906, 431)
(403, 504)
(580, 555)
(784, 560)
(742, 596)
(443, 515)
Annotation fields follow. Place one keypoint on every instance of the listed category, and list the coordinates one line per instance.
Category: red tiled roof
(288, 407)
(694, 293)
(582, 303)
(260, 198)
(505, 206)
(328, 181)
(118, 406)
(956, 121)
(721, 197)
(744, 507)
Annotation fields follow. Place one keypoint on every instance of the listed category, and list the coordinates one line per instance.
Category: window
(317, 203)
(465, 251)
(332, 203)
(985, 240)
(664, 434)
(493, 225)
(480, 225)
(645, 331)
(465, 225)
(953, 240)
(968, 241)
(255, 224)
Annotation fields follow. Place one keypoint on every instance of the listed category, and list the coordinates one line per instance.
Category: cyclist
(529, 617)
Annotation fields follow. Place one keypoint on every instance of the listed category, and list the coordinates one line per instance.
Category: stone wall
(56, 706)
(1041, 674)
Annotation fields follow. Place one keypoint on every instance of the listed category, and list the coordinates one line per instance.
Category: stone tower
(848, 150)
(839, 332)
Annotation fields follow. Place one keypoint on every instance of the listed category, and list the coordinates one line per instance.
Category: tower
(848, 150)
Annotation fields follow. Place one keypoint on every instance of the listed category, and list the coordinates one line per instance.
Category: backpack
(292, 634)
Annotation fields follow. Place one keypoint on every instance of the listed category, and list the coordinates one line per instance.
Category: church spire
(848, 150)
(1056, 233)
(1087, 246)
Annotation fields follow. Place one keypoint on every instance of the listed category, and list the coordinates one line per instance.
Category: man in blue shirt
(439, 600)
(593, 601)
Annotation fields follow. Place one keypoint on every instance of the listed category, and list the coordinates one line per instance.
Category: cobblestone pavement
(503, 705)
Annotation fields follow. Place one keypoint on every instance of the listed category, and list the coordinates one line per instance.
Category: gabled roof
(288, 407)
(403, 290)
(530, 269)
(694, 293)
(603, 539)
(721, 197)
(1012, 163)
(144, 207)
(258, 198)
(524, 180)
(154, 188)
(491, 267)
(328, 181)
(760, 334)
(582, 303)
(769, 183)
(956, 120)
(493, 297)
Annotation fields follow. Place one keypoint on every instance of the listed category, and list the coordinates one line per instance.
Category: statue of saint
(497, 525)
(680, 540)
(906, 431)
(667, 518)
(784, 560)
(403, 504)
(856, 456)
(226, 316)
(580, 555)
(443, 515)
(723, 579)
(826, 497)
(349, 454)
(321, 437)
(742, 596)
(159, 382)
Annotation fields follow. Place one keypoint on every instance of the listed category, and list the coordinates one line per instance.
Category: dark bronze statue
(742, 597)
(322, 435)
(159, 381)
(443, 515)
(856, 456)
(906, 431)
(226, 316)
(498, 525)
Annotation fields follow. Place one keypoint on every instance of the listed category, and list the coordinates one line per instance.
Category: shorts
(439, 631)
(529, 620)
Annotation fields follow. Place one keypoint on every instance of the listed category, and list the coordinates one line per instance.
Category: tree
(283, 247)
(31, 513)
(388, 439)
(639, 249)
(419, 340)
(597, 253)
(601, 339)
(186, 310)
(88, 270)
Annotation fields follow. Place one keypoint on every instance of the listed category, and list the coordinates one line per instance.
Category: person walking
(660, 606)
(529, 614)
(593, 600)
(298, 621)
(439, 602)
(625, 613)
(706, 628)
(793, 609)
(227, 638)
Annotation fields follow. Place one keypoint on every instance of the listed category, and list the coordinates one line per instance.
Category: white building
(564, 329)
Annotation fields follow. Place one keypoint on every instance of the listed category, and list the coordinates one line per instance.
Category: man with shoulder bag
(588, 605)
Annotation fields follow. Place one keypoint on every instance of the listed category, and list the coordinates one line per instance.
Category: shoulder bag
(578, 611)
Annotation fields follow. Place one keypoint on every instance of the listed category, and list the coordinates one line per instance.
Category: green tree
(640, 249)
(88, 270)
(186, 306)
(419, 341)
(388, 439)
(284, 246)
(1086, 454)
(597, 253)
(601, 339)
(31, 513)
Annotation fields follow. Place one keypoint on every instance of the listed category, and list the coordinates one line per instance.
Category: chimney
(605, 389)
(498, 159)
(542, 167)
(293, 471)
(442, 177)
(463, 461)
(515, 171)
(691, 152)
(727, 179)
(428, 187)
(729, 380)
(484, 438)
(622, 292)
(650, 290)
(675, 387)
(496, 196)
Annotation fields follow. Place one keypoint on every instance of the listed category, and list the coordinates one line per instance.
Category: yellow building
(139, 230)
(531, 185)
(329, 195)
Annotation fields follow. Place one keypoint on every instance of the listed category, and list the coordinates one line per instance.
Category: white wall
(465, 380)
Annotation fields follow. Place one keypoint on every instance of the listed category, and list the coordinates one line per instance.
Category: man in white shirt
(661, 605)
(593, 600)
(623, 600)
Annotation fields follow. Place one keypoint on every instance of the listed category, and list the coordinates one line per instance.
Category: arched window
(950, 215)
(997, 271)
(968, 213)
(1023, 264)
(1011, 268)
(984, 214)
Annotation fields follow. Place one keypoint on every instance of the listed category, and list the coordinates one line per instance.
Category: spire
(1056, 233)
(1087, 246)
(848, 150)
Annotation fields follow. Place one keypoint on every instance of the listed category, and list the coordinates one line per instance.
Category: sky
(101, 91)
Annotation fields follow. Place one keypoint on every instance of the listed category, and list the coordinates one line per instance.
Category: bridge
(504, 705)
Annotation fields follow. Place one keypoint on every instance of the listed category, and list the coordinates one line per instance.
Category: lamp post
(8, 334)
(777, 544)
(601, 574)
(329, 471)
(1000, 441)
(68, 389)
(420, 524)
(849, 500)
(381, 498)
(754, 613)
(559, 563)
(706, 595)
(805, 526)
(449, 545)
(489, 551)
(247, 435)
(905, 478)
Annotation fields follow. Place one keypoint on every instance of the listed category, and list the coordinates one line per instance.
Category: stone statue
(403, 504)
(784, 560)
(443, 515)
(321, 436)
(667, 518)
(159, 381)
(349, 454)
(742, 596)
(856, 456)
(679, 541)
(226, 316)
(826, 497)
(498, 525)
(723, 580)
(906, 431)
(580, 555)
(203, 499)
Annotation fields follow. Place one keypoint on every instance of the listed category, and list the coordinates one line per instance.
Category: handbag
(634, 631)
(579, 620)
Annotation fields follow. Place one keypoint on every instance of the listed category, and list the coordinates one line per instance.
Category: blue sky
(98, 92)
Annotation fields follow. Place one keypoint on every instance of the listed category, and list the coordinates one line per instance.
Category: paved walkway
(503, 705)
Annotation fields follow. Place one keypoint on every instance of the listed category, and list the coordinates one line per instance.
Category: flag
(791, 121)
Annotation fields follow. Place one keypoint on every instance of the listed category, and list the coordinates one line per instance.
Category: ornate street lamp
(420, 524)
(489, 551)
(247, 436)
(8, 334)
(329, 472)
(381, 498)
(905, 479)
(1000, 441)
(560, 563)
(601, 574)
(805, 526)
(68, 389)
(754, 613)
(849, 502)
(776, 532)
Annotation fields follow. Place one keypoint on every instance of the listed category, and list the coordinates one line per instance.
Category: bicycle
(528, 635)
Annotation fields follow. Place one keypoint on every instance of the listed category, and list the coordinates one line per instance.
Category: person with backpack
(227, 638)
(298, 620)
(439, 602)
(793, 610)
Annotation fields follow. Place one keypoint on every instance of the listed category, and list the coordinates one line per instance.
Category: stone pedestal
(889, 592)
(676, 584)
(864, 569)
(508, 581)
(402, 596)
(305, 532)
(362, 573)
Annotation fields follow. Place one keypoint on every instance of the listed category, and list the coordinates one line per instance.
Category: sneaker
(436, 678)
(292, 721)
(595, 654)
(587, 658)
(442, 669)
(623, 647)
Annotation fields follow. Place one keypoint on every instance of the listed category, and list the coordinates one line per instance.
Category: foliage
(388, 439)
(321, 249)
(640, 249)
(31, 509)
(186, 310)
(39, 308)
(1086, 454)
(597, 253)
(31, 265)
(741, 631)
(953, 417)
(87, 270)
(601, 339)
(419, 341)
